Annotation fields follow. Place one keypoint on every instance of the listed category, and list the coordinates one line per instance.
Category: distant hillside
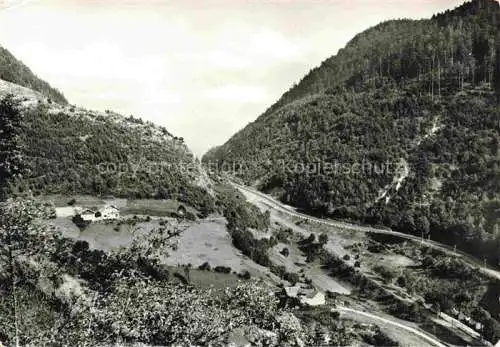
(401, 128)
(70, 150)
(13, 70)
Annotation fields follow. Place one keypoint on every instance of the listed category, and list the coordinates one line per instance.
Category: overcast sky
(204, 69)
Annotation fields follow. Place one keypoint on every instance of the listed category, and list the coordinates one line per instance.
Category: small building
(478, 326)
(88, 215)
(292, 292)
(110, 212)
(309, 297)
(106, 213)
(316, 298)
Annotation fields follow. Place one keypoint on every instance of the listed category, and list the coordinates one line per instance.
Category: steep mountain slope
(71, 150)
(13, 70)
(54, 288)
(401, 128)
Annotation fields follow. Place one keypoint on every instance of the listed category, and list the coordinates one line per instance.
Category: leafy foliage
(239, 213)
(10, 151)
(25, 248)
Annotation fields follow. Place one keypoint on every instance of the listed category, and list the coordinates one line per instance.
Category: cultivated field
(209, 241)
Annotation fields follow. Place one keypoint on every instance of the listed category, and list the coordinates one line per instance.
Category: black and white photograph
(271, 173)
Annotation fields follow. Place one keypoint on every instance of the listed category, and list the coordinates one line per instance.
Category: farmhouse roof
(292, 292)
(111, 207)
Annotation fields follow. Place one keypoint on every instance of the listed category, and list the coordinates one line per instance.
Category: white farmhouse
(88, 215)
(105, 213)
(110, 212)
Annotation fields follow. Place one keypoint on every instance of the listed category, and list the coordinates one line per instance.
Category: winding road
(429, 338)
(254, 195)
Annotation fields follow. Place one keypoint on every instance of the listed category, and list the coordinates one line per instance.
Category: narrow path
(432, 340)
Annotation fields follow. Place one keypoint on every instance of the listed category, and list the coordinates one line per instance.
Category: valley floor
(262, 199)
(348, 242)
(206, 241)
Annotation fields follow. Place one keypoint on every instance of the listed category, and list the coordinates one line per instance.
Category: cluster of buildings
(107, 212)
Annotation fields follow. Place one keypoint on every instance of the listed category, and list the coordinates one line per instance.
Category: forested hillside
(401, 128)
(56, 289)
(69, 150)
(13, 70)
(79, 151)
